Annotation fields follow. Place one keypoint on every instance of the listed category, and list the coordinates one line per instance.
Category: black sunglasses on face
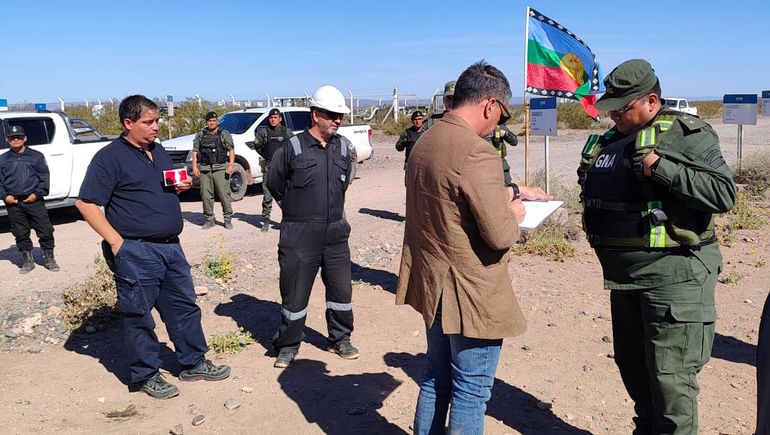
(505, 115)
(331, 115)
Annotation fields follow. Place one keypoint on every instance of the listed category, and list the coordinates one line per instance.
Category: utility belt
(651, 220)
(161, 240)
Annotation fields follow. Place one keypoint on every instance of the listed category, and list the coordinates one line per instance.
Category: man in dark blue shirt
(308, 177)
(140, 226)
(24, 181)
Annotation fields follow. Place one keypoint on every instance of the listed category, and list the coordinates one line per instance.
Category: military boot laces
(49, 261)
(29, 262)
(157, 387)
(205, 371)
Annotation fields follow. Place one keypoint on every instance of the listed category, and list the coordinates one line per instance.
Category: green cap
(627, 81)
(449, 88)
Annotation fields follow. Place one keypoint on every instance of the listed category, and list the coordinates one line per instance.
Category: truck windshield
(671, 103)
(237, 123)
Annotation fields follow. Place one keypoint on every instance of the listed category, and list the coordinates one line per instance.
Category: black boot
(49, 261)
(266, 225)
(29, 262)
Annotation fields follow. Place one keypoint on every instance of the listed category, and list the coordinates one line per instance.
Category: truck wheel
(238, 183)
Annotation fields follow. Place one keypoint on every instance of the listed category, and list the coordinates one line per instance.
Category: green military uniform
(449, 92)
(498, 141)
(267, 140)
(654, 238)
(213, 149)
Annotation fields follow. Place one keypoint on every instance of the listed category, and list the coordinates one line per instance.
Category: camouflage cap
(449, 88)
(627, 81)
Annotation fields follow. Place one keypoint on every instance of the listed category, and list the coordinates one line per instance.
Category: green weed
(731, 277)
(745, 215)
(231, 342)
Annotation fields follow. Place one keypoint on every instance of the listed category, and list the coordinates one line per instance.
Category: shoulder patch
(691, 123)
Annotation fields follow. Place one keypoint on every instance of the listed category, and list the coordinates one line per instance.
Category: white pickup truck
(68, 146)
(681, 105)
(242, 125)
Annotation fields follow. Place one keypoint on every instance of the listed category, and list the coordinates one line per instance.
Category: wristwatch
(516, 191)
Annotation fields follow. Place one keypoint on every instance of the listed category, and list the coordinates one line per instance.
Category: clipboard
(537, 212)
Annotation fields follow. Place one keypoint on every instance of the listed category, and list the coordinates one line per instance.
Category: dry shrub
(231, 342)
(708, 109)
(553, 239)
(745, 215)
(572, 115)
(93, 299)
(755, 173)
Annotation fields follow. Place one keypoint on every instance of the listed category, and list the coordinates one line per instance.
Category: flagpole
(526, 102)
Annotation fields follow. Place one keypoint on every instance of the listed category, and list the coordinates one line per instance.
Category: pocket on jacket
(303, 173)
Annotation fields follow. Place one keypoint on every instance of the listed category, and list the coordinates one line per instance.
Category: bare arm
(98, 222)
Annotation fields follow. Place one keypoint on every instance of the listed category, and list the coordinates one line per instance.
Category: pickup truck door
(44, 135)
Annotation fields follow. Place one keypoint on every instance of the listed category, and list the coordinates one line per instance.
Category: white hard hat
(329, 98)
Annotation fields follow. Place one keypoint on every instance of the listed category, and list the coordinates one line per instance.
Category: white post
(546, 163)
(395, 104)
(526, 102)
(61, 104)
(200, 104)
(351, 106)
(86, 102)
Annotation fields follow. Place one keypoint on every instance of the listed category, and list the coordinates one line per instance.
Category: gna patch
(605, 162)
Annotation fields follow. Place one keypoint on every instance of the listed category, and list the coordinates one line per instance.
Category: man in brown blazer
(454, 266)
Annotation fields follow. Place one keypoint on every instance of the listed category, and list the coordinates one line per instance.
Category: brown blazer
(458, 235)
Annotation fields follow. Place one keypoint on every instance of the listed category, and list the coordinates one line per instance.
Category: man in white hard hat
(308, 177)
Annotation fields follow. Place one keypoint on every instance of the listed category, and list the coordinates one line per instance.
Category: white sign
(765, 103)
(170, 105)
(542, 116)
(739, 109)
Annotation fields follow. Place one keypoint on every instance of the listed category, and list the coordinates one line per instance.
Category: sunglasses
(627, 107)
(505, 115)
(331, 115)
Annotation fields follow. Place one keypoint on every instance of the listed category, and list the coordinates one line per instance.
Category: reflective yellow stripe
(593, 140)
(663, 124)
(657, 231)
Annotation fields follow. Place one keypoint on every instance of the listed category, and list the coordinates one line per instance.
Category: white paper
(537, 212)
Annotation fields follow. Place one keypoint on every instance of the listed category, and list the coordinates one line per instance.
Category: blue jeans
(460, 372)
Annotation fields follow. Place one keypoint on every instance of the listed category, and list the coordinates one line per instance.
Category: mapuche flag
(560, 64)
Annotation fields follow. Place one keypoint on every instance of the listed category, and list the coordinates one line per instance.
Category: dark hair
(132, 107)
(478, 82)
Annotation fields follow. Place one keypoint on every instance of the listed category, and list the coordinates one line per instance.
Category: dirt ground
(559, 377)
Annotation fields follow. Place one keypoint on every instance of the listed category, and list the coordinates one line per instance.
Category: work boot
(29, 262)
(285, 358)
(228, 225)
(345, 350)
(205, 371)
(265, 225)
(208, 225)
(157, 387)
(49, 261)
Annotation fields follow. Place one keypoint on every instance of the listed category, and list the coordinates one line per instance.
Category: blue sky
(100, 49)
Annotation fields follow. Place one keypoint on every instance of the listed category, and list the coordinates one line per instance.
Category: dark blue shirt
(23, 173)
(130, 187)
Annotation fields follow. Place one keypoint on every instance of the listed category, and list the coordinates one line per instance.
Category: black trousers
(763, 372)
(303, 248)
(24, 217)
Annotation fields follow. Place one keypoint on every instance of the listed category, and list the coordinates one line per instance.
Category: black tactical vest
(211, 148)
(275, 136)
(412, 135)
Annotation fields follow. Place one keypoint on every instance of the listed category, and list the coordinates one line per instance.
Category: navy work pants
(156, 275)
(303, 248)
(23, 217)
